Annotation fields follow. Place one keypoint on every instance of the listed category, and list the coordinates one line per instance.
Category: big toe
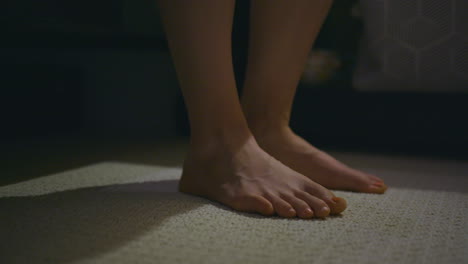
(372, 184)
(367, 183)
(253, 204)
(377, 187)
(339, 205)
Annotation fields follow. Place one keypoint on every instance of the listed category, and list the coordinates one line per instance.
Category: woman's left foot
(295, 152)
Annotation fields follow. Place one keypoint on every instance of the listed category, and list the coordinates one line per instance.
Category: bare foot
(248, 179)
(299, 155)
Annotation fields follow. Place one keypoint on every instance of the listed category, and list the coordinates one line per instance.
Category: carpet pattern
(127, 213)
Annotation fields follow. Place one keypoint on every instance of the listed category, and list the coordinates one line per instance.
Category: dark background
(102, 70)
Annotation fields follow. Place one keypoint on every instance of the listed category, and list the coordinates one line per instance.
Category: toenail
(325, 209)
(292, 211)
(335, 199)
(308, 211)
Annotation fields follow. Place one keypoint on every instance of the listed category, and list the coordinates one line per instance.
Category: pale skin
(243, 154)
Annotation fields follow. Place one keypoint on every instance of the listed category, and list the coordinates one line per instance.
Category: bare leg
(281, 36)
(224, 162)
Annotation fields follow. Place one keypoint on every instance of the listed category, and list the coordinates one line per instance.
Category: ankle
(264, 131)
(223, 140)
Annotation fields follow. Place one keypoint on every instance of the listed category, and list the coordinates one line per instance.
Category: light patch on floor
(128, 213)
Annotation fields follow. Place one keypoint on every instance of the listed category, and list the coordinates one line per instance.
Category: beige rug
(127, 213)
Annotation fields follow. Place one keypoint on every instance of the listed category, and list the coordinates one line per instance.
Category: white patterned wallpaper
(413, 45)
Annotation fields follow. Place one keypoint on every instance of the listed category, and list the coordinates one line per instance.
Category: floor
(33, 158)
(25, 160)
(82, 201)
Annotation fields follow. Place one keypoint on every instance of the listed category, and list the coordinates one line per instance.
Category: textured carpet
(126, 213)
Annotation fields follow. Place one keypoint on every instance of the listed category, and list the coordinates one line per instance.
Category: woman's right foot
(248, 179)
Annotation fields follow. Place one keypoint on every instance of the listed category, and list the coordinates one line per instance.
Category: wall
(116, 79)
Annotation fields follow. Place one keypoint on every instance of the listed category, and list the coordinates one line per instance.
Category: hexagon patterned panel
(417, 45)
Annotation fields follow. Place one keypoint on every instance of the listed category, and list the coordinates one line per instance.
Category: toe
(336, 206)
(339, 206)
(374, 178)
(301, 207)
(253, 203)
(320, 208)
(282, 208)
(377, 187)
(262, 205)
(368, 183)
